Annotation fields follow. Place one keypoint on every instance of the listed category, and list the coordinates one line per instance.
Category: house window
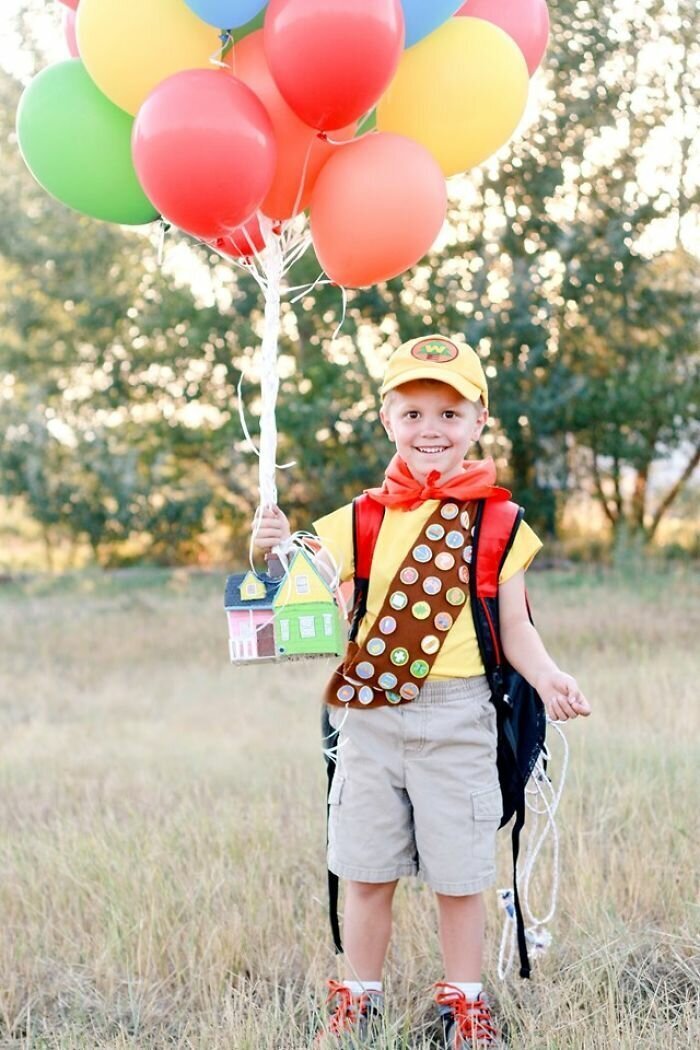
(327, 624)
(251, 588)
(302, 584)
(307, 627)
(284, 630)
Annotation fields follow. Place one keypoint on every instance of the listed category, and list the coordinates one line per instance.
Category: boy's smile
(433, 426)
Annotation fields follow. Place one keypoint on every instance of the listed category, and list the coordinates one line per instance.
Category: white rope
(244, 426)
(271, 258)
(542, 800)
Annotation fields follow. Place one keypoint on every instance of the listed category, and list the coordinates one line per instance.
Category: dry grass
(162, 827)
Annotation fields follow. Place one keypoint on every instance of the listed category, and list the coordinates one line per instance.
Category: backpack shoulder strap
(367, 517)
(497, 525)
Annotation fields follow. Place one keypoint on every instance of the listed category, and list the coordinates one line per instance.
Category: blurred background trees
(571, 263)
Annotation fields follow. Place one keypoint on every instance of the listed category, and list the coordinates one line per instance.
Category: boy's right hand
(273, 529)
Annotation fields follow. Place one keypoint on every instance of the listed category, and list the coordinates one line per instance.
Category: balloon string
(306, 288)
(302, 180)
(341, 322)
(246, 431)
(347, 142)
(164, 227)
(217, 59)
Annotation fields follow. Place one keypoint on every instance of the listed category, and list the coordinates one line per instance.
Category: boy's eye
(449, 413)
(412, 414)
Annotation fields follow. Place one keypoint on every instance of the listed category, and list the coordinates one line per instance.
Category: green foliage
(567, 263)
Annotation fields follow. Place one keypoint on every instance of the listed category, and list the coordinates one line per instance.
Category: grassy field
(162, 874)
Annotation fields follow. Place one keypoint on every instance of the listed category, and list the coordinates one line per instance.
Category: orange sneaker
(466, 1023)
(355, 1020)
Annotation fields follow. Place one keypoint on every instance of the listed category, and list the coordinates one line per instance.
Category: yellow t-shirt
(460, 656)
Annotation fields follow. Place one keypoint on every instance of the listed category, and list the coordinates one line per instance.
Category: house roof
(232, 596)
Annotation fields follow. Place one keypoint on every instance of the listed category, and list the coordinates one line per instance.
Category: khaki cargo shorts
(416, 792)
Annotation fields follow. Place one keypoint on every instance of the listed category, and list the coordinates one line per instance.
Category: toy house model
(279, 617)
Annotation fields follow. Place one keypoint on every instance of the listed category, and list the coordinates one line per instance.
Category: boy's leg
(462, 923)
(366, 928)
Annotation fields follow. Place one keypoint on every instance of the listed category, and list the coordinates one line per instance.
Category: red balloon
(300, 152)
(70, 34)
(73, 4)
(525, 21)
(204, 151)
(378, 206)
(244, 241)
(333, 59)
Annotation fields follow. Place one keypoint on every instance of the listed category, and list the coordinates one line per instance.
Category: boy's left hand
(561, 696)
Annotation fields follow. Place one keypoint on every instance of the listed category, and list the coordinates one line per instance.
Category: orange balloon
(377, 207)
(295, 140)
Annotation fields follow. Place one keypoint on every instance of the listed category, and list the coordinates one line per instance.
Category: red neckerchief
(400, 488)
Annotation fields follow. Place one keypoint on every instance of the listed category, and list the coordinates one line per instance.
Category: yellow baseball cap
(436, 357)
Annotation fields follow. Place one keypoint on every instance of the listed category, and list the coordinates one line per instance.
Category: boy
(416, 786)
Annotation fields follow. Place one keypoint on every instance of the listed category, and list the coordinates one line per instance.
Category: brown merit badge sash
(421, 605)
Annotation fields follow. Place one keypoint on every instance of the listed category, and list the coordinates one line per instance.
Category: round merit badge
(387, 680)
(444, 561)
(376, 646)
(408, 575)
(399, 656)
(419, 668)
(366, 694)
(398, 600)
(345, 693)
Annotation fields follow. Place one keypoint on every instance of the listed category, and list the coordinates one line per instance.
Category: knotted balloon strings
(542, 800)
(163, 227)
(226, 45)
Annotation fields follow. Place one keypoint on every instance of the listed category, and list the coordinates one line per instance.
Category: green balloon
(77, 145)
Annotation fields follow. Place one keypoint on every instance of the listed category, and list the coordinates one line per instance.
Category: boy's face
(432, 426)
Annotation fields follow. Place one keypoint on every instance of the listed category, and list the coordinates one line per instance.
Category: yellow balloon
(129, 46)
(460, 92)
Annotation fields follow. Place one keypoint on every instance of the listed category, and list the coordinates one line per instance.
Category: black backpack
(520, 713)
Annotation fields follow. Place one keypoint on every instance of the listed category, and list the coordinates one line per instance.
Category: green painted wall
(322, 643)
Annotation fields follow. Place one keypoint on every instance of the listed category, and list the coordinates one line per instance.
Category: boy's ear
(386, 423)
(482, 418)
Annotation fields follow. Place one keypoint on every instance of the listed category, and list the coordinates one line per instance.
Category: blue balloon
(422, 16)
(226, 14)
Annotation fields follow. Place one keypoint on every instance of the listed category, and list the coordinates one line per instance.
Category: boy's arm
(526, 653)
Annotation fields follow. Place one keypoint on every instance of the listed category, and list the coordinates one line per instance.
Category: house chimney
(275, 568)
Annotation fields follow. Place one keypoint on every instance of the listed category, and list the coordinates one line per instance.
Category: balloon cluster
(216, 113)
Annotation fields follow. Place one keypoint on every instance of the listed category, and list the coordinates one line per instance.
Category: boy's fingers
(563, 708)
(582, 705)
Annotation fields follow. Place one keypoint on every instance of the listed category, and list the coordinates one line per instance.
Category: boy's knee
(372, 890)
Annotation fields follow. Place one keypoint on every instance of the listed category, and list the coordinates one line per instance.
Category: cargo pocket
(334, 796)
(336, 792)
(487, 810)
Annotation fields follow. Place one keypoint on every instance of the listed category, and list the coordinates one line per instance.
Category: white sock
(358, 987)
(470, 990)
